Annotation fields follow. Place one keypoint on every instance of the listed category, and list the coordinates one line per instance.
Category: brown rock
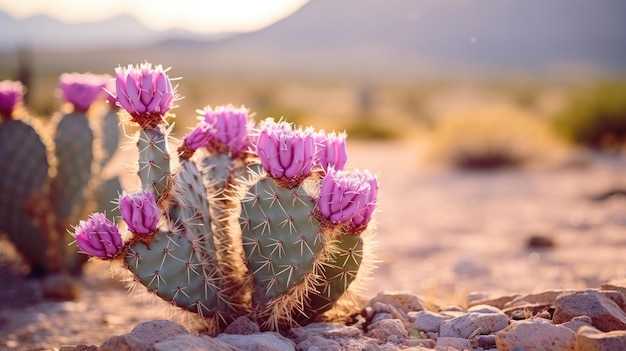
(605, 308)
(615, 285)
(533, 303)
(591, 339)
(535, 334)
(385, 328)
(80, 347)
(60, 287)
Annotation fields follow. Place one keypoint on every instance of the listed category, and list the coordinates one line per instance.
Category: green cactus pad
(280, 237)
(174, 269)
(154, 162)
(74, 153)
(23, 159)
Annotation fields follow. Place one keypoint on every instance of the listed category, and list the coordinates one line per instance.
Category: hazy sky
(204, 16)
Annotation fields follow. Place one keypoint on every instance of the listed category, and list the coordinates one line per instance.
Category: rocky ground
(485, 259)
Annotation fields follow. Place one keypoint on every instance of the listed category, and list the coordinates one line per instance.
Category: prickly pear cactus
(254, 220)
(47, 173)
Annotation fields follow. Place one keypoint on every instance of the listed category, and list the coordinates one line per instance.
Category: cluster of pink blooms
(345, 197)
(99, 237)
(11, 96)
(82, 89)
(224, 129)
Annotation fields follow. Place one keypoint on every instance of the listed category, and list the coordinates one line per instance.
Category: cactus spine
(251, 222)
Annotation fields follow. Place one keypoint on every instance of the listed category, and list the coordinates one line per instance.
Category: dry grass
(491, 137)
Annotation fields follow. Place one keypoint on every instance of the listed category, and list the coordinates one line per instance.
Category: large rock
(591, 339)
(143, 336)
(427, 321)
(535, 334)
(480, 319)
(605, 308)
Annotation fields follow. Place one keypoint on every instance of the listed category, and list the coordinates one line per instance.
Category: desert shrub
(367, 128)
(490, 138)
(596, 117)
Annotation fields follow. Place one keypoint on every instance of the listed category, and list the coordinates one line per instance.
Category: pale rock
(615, 285)
(268, 341)
(535, 334)
(487, 299)
(472, 323)
(456, 343)
(428, 343)
(193, 342)
(386, 329)
(533, 302)
(591, 339)
(605, 308)
(469, 267)
(143, 336)
(427, 321)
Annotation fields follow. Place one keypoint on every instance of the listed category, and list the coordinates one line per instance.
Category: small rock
(533, 303)
(497, 302)
(60, 287)
(325, 330)
(577, 322)
(386, 328)
(534, 334)
(427, 321)
(193, 342)
(242, 326)
(380, 316)
(469, 267)
(539, 241)
(455, 343)
(471, 323)
(427, 343)
(484, 341)
(591, 339)
(402, 300)
(615, 285)
(143, 336)
(268, 341)
(80, 347)
(605, 308)
(317, 343)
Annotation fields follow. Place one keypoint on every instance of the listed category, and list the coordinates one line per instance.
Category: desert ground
(442, 234)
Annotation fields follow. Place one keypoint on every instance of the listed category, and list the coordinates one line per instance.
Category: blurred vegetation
(595, 117)
(490, 137)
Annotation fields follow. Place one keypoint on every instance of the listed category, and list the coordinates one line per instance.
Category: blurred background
(381, 69)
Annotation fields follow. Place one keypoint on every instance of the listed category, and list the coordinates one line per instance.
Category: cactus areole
(259, 221)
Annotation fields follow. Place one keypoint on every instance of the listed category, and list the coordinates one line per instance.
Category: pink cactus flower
(140, 212)
(284, 152)
(146, 93)
(98, 237)
(82, 89)
(331, 150)
(348, 197)
(198, 137)
(231, 128)
(11, 96)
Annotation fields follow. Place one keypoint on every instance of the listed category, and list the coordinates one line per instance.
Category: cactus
(257, 221)
(50, 171)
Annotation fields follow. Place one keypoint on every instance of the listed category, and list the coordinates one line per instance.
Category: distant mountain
(410, 35)
(357, 38)
(46, 33)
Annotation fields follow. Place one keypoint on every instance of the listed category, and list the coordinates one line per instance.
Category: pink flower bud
(98, 237)
(331, 150)
(231, 128)
(82, 89)
(140, 212)
(348, 197)
(146, 93)
(284, 152)
(199, 136)
(11, 96)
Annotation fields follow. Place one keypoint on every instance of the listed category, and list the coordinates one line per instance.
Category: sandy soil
(441, 234)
